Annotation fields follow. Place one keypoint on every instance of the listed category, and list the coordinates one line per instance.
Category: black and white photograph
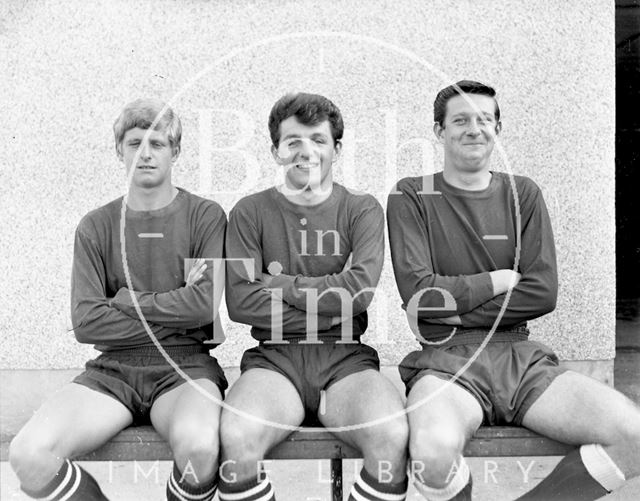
(320, 251)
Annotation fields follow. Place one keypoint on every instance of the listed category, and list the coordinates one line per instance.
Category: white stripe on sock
(62, 484)
(387, 496)
(239, 496)
(268, 496)
(75, 484)
(174, 491)
(601, 467)
(181, 493)
(357, 496)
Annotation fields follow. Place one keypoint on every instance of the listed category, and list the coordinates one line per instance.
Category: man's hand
(275, 293)
(453, 320)
(347, 265)
(196, 271)
(503, 280)
(337, 320)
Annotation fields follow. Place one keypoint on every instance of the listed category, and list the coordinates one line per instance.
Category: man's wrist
(122, 298)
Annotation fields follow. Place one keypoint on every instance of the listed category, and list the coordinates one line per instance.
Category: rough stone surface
(69, 67)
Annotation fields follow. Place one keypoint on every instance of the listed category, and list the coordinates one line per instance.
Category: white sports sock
(601, 467)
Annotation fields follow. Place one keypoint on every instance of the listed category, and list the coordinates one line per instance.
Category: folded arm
(354, 285)
(94, 319)
(535, 294)
(413, 267)
(249, 299)
(193, 305)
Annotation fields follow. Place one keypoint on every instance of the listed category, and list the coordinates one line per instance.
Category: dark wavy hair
(309, 109)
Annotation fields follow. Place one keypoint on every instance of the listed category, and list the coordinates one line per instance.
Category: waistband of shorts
(302, 341)
(153, 352)
(477, 336)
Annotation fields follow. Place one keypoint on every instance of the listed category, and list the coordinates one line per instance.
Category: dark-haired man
(132, 381)
(454, 238)
(309, 254)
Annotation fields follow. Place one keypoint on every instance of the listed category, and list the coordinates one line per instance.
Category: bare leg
(190, 421)
(439, 428)
(75, 420)
(363, 397)
(269, 396)
(580, 410)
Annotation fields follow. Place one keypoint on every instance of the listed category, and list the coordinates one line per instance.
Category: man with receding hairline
(472, 249)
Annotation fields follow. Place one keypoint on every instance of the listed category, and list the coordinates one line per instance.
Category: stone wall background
(68, 68)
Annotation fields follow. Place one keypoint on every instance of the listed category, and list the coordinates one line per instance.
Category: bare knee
(242, 440)
(387, 442)
(23, 454)
(33, 456)
(434, 451)
(197, 443)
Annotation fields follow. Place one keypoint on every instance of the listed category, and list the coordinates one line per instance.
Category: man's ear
(498, 128)
(438, 130)
(337, 151)
(119, 153)
(274, 154)
(176, 153)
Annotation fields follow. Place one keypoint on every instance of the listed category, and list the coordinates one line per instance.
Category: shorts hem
(444, 377)
(349, 371)
(535, 394)
(89, 382)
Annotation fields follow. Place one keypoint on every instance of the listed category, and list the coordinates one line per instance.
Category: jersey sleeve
(356, 285)
(536, 292)
(191, 306)
(249, 300)
(94, 319)
(407, 220)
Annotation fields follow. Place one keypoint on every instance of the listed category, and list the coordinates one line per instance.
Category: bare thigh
(357, 401)
(260, 408)
(434, 402)
(195, 401)
(369, 408)
(443, 416)
(75, 420)
(577, 409)
(188, 417)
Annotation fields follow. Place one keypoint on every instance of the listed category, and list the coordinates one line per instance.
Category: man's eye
(459, 121)
(320, 140)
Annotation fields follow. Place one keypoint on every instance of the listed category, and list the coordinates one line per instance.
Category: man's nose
(145, 151)
(473, 129)
(307, 149)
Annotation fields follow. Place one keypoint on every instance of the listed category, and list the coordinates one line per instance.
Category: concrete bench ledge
(24, 391)
(144, 444)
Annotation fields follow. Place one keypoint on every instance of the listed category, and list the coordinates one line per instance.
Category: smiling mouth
(146, 167)
(307, 165)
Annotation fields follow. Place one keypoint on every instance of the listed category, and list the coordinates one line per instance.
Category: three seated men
(474, 260)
